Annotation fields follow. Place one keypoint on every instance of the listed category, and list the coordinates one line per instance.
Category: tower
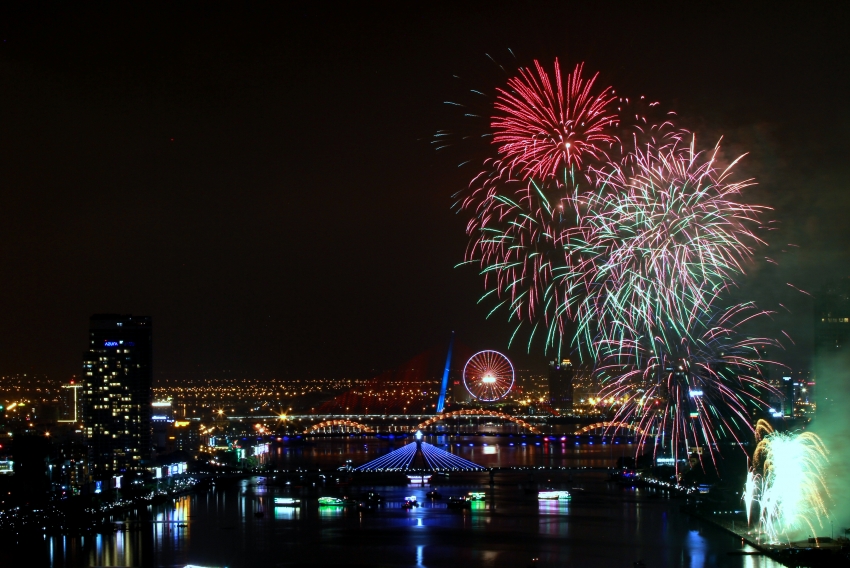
(117, 393)
(444, 384)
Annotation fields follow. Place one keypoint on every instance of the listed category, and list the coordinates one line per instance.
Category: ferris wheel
(488, 376)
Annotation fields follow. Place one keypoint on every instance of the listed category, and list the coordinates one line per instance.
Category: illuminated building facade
(182, 435)
(561, 386)
(117, 394)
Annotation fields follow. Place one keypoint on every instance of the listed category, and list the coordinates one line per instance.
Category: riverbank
(813, 552)
(78, 516)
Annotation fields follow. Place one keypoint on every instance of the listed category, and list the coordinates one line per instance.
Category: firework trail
(521, 244)
(787, 478)
(643, 125)
(598, 223)
(663, 235)
(545, 128)
(544, 123)
(695, 383)
(655, 242)
(643, 231)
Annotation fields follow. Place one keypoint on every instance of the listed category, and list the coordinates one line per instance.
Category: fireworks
(657, 240)
(598, 223)
(642, 125)
(543, 124)
(663, 235)
(524, 255)
(697, 381)
(787, 483)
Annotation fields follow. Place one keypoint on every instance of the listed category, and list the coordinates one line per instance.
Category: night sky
(263, 185)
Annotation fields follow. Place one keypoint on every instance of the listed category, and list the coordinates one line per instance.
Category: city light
(435, 460)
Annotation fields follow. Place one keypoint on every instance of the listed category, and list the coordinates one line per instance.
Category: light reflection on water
(603, 525)
(697, 547)
(331, 512)
(553, 507)
(286, 513)
(118, 549)
(489, 451)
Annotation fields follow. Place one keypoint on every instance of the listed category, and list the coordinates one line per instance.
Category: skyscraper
(561, 386)
(832, 318)
(117, 393)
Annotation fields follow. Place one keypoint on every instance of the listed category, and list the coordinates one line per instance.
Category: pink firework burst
(543, 124)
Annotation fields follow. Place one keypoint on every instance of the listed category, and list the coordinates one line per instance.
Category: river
(604, 524)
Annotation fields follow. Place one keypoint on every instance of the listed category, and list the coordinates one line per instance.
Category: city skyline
(212, 176)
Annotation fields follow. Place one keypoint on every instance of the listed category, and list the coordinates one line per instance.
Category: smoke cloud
(832, 424)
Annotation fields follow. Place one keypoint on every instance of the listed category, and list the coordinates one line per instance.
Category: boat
(411, 500)
(433, 494)
(335, 502)
(476, 496)
(286, 501)
(553, 495)
(419, 479)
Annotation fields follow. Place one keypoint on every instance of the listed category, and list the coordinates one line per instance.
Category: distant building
(561, 386)
(162, 417)
(70, 465)
(459, 393)
(585, 385)
(788, 398)
(832, 318)
(117, 394)
(72, 404)
(182, 435)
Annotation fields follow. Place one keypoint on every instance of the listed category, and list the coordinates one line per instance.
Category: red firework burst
(541, 125)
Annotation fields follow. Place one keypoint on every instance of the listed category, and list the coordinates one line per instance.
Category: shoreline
(818, 553)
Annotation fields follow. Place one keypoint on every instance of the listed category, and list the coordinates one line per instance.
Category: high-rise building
(561, 385)
(788, 396)
(117, 394)
(832, 318)
(162, 417)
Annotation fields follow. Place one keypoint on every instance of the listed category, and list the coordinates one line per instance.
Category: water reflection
(118, 549)
(696, 548)
(331, 512)
(286, 513)
(603, 525)
(170, 523)
(554, 517)
(553, 507)
(489, 451)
